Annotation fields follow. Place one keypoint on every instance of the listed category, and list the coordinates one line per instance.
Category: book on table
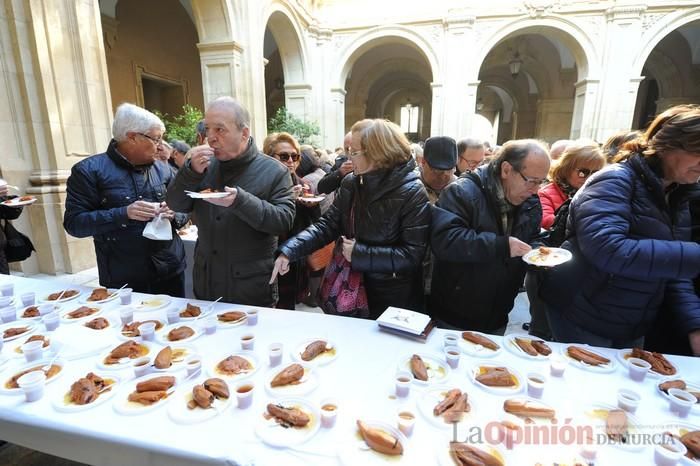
(405, 322)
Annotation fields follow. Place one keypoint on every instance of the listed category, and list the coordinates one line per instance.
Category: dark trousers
(173, 286)
(539, 323)
(565, 331)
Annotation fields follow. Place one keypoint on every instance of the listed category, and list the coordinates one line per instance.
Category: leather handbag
(18, 246)
(342, 290)
(320, 258)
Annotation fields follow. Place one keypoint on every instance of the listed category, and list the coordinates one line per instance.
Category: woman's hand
(281, 267)
(348, 246)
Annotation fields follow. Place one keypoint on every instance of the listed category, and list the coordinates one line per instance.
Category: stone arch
(214, 20)
(380, 35)
(658, 32)
(578, 42)
(285, 28)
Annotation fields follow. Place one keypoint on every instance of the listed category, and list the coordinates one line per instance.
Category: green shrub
(183, 126)
(304, 132)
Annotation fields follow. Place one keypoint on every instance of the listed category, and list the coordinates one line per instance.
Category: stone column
(553, 119)
(336, 117)
(55, 109)
(221, 70)
(298, 99)
(585, 98)
(459, 92)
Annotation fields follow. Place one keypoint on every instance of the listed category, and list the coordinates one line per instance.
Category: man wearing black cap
(438, 165)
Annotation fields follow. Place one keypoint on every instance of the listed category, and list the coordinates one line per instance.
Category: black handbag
(18, 246)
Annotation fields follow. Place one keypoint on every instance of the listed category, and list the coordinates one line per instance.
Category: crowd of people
(438, 228)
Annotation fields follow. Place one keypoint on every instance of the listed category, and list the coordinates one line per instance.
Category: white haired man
(113, 195)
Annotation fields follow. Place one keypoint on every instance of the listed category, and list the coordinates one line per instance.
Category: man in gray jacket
(238, 232)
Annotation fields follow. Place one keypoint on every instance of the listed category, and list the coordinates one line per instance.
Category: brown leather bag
(320, 258)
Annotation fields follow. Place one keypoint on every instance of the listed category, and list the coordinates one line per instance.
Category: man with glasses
(237, 232)
(470, 154)
(482, 226)
(113, 195)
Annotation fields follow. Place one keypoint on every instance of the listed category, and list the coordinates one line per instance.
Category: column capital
(220, 47)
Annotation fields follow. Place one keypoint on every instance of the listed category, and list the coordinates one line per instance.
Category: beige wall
(158, 38)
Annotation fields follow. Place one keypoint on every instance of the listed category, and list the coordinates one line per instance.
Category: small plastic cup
(669, 451)
(173, 315)
(32, 384)
(628, 400)
(557, 366)
(680, 401)
(147, 331)
(406, 420)
(403, 384)
(46, 308)
(193, 364)
(142, 366)
(252, 317)
(275, 354)
(248, 342)
(452, 355)
(329, 412)
(209, 324)
(125, 296)
(244, 394)
(51, 321)
(126, 315)
(638, 369)
(5, 301)
(7, 289)
(535, 384)
(28, 299)
(450, 339)
(8, 314)
(33, 350)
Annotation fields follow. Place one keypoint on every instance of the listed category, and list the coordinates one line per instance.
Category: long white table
(361, 378)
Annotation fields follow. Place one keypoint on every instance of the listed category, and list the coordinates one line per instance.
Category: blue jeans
(565, 331)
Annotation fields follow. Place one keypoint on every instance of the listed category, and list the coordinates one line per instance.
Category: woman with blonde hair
(380, 218)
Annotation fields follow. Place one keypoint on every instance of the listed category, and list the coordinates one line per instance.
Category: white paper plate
(61, 399)
(595, 416)
(123, 406)
(274, 434)
(214, 372)
(678, 429)
(114, 324)
(307, 384)
(226, 325)
(162, 336)
(533, 420)
(512, 346)
(123, 336)
(444, 458)
(31, 327)
(312, 200)
(603, 369)
(112, 296)
(65, 319)
(557, 256)
(15, 202)
(203, 307)
(322, 359)
(8, 374)
(181, 414)
(438, 370)
(21, 311)
(14, 349)
(477, 350)
(180, 353)
(45, 298)
(434, 395)
(194, 195)
(519, 384)
(151, 303)
(691, 386)
(151, 350)
(624, 354)
(353, 451)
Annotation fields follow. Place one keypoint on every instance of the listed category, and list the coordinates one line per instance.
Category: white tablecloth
(361, 378)
(189, 241)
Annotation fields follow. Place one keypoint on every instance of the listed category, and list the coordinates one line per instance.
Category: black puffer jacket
(392, 225)
(475, 280)
(99, 190)
(6, 214)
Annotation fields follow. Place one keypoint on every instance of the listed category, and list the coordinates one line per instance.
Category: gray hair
(240, 115)
(469, 143)
(130, 118)
(180, 146)
(514, 152)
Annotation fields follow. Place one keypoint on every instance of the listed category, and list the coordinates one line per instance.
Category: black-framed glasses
(471, 164)
(155, 141)
(585, 172)
(531, 182)
(285, 156)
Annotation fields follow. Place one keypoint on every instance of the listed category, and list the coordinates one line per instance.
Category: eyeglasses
(531, 182)
(155, 141)
(471, 164)
(355, 153)
(585, 172)
(285, 156)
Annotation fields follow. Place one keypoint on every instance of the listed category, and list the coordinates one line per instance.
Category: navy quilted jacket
(632, 250)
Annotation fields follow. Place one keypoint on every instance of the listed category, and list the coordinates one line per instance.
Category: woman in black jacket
(6, 213)
(382, 215)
